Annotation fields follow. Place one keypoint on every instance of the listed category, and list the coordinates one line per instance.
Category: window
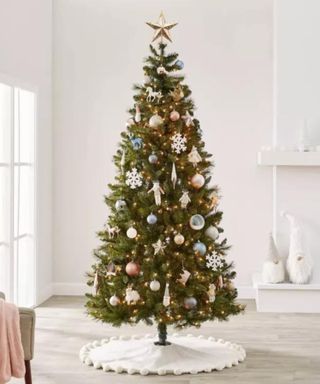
(17, 194)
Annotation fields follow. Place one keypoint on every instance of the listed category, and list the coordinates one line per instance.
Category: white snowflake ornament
(214, 261)
(134, 178)
(178, 143)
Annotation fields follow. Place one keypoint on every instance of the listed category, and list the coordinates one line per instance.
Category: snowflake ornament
(179, 143)
(214, 261)
(134, 178)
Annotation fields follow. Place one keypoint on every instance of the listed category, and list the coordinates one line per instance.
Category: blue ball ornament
(152, 219)
(179, 64)
(200, 248)
(153, 158)
(136, 143)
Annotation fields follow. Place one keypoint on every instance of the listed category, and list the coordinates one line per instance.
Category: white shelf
(286, 297)
(289, 158)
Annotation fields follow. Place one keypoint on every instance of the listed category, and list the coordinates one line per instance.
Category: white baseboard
(43, 294)
(79, 289)
(70, 289)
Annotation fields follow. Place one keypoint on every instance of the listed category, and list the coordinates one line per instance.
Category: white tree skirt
(138, 354)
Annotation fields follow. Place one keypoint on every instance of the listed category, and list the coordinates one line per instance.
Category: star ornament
(161, 28)
(159, 247)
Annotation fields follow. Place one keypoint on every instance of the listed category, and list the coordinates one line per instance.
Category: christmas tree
(162, 253)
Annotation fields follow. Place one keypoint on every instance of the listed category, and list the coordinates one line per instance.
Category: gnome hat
(273, 254)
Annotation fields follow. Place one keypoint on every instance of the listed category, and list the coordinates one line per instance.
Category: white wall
(98, 50)
(25, 55)
(297, 63)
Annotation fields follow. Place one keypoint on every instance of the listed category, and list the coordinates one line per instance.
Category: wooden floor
(281, 348)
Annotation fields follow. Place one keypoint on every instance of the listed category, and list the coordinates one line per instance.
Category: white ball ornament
(179, 239)
(155, 121)
(146, 80)
(197, 222)
(114, 300)
(212, 232)
(174, 116)
(161, 70)
(197, 181)
(132, 233)
(154, 285)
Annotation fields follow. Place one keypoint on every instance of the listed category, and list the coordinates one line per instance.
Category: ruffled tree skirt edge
(138, 355)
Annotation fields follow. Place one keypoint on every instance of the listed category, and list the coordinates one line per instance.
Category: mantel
(289, 158)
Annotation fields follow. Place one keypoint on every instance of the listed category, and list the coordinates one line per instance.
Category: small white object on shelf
(289, 158)
(273, 268)
(299, 263)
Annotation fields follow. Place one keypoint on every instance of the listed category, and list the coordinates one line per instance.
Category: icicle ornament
(174, 176)
(166, 297)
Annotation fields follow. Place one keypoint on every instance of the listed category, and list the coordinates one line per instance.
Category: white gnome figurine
(194, 156)
(185, 199)
(273, 268)
(299, 263)
(132, 296)
(157, 192)
(212, 293)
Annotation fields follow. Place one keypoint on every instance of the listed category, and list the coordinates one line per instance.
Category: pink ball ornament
(132, 269)
(197, 181)
(174, 116)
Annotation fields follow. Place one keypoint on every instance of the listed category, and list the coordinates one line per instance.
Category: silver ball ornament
(154, 285)
(132, 233)
(155, 121)
(179, 64)
(197, 222)
(190, 302)
(197, 181)
(120, 205)
(179, 239)
(152, 219)
(153, 158)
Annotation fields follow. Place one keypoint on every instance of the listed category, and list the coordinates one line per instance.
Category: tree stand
(162, 334)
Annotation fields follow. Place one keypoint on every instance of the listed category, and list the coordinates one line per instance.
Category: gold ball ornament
(133, 269)
(174, 116)
(155, 121)
(197, 181)
(179, 239)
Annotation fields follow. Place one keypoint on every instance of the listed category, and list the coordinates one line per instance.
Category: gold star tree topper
(161, 28)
